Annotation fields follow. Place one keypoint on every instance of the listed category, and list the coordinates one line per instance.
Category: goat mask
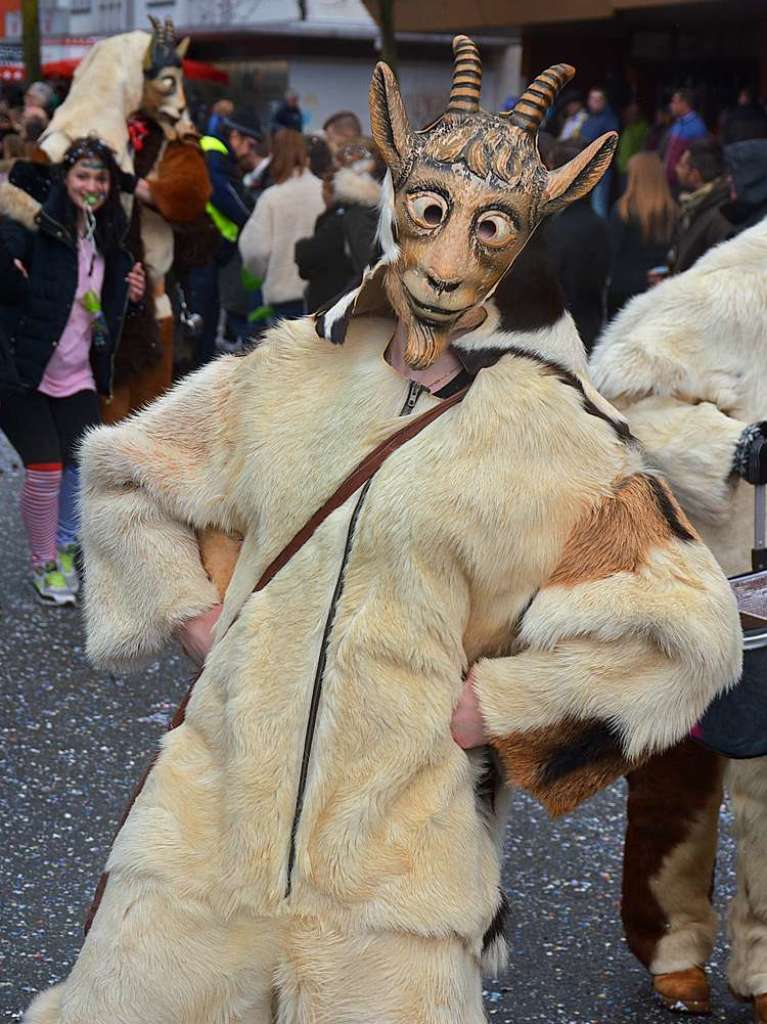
(466, 194)
(163, 98)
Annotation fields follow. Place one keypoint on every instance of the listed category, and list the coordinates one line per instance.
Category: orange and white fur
(687, 364)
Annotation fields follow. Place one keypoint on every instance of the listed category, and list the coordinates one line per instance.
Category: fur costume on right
(311, 836)
(687, 364)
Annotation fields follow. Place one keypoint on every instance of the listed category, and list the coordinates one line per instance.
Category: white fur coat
(519, 533)
(687, 363)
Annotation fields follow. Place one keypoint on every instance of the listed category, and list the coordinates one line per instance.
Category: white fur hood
(352, 186)
(19, 206)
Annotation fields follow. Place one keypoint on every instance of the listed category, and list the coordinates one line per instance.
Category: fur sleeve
(147, 485)
(181, 187)
(693, 445)
(623, 647)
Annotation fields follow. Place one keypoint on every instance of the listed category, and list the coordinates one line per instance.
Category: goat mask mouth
(463, 197)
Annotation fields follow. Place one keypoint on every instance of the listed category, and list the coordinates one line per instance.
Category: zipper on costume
(413, 393)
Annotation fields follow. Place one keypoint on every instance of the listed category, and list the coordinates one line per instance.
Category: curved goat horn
(149, 53)
(467, 77)
(530, 109)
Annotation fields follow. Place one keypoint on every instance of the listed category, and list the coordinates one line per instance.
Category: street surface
(74, 741)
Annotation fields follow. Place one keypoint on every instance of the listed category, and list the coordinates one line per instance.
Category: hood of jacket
(350, 186)
(746, 162)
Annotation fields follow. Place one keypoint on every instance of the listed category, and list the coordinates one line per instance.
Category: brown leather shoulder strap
(358, 476)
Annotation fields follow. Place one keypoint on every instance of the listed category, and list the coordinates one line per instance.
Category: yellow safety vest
(226, 227)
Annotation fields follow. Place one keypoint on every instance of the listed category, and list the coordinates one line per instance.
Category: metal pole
(759, 554)
(30, 33)
(388, 39)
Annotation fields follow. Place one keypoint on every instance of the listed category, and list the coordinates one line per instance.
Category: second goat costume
(687, 363)
(311, 837)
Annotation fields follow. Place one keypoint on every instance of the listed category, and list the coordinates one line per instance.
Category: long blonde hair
(648, 199)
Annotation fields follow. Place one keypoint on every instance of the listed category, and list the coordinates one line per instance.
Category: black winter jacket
(579, 244)
(343, 243)
(747, 164)
(631, 258)
(35, 313)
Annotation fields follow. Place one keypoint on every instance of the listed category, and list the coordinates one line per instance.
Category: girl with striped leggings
(62, 236)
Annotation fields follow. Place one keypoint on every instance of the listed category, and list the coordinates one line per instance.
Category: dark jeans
(202, 297)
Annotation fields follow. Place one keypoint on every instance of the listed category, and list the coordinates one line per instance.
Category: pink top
(69, 368)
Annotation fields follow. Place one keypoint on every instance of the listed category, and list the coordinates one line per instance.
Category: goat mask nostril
(442, 286)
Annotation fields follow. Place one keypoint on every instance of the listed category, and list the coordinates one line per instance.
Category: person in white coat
(687, 364)
(286, 212)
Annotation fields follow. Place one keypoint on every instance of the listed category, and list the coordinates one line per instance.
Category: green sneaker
(51, 586)
(67, 566)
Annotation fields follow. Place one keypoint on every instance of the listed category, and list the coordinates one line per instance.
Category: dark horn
(531, 107)
(467, 77)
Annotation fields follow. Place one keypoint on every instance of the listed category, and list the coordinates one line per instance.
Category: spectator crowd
(291, 223)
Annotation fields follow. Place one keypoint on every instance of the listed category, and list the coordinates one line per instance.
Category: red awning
(60, 68)
(200, 71)
(195, 70)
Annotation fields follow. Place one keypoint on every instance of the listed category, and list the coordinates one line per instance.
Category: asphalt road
(74, 741)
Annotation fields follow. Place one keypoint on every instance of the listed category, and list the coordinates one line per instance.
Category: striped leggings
(45, 432)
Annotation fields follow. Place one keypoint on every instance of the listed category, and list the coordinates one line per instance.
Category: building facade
(322, 49)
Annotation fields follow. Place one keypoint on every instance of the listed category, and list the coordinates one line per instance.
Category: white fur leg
(495, 957)
(45, 1008)
(165, 957)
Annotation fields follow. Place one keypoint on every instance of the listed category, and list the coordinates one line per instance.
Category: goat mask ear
(389, 123)
(575, 178)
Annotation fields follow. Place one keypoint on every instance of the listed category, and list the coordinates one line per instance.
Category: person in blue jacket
(602, 118)
(229, 154)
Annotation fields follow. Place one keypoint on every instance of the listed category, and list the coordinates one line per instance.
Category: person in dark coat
(701, 225)
(746, 120)
(343, 243)
(641, 228)
(288, 114)
(12, 283)
(229, 154)
(747, 168)
(73, 281)
(579, 249)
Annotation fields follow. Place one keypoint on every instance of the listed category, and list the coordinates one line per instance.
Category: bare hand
(136, 283)
(196, 634)
(468, 725)
(142, 191)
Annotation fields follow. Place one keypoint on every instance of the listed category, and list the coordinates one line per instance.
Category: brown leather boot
(760, 1009)
(684, 991)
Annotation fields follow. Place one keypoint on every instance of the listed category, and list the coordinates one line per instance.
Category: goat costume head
(163, 96)
(467, 193)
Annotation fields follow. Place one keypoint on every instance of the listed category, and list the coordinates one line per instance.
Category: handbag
(735, 724)
(359, 476)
